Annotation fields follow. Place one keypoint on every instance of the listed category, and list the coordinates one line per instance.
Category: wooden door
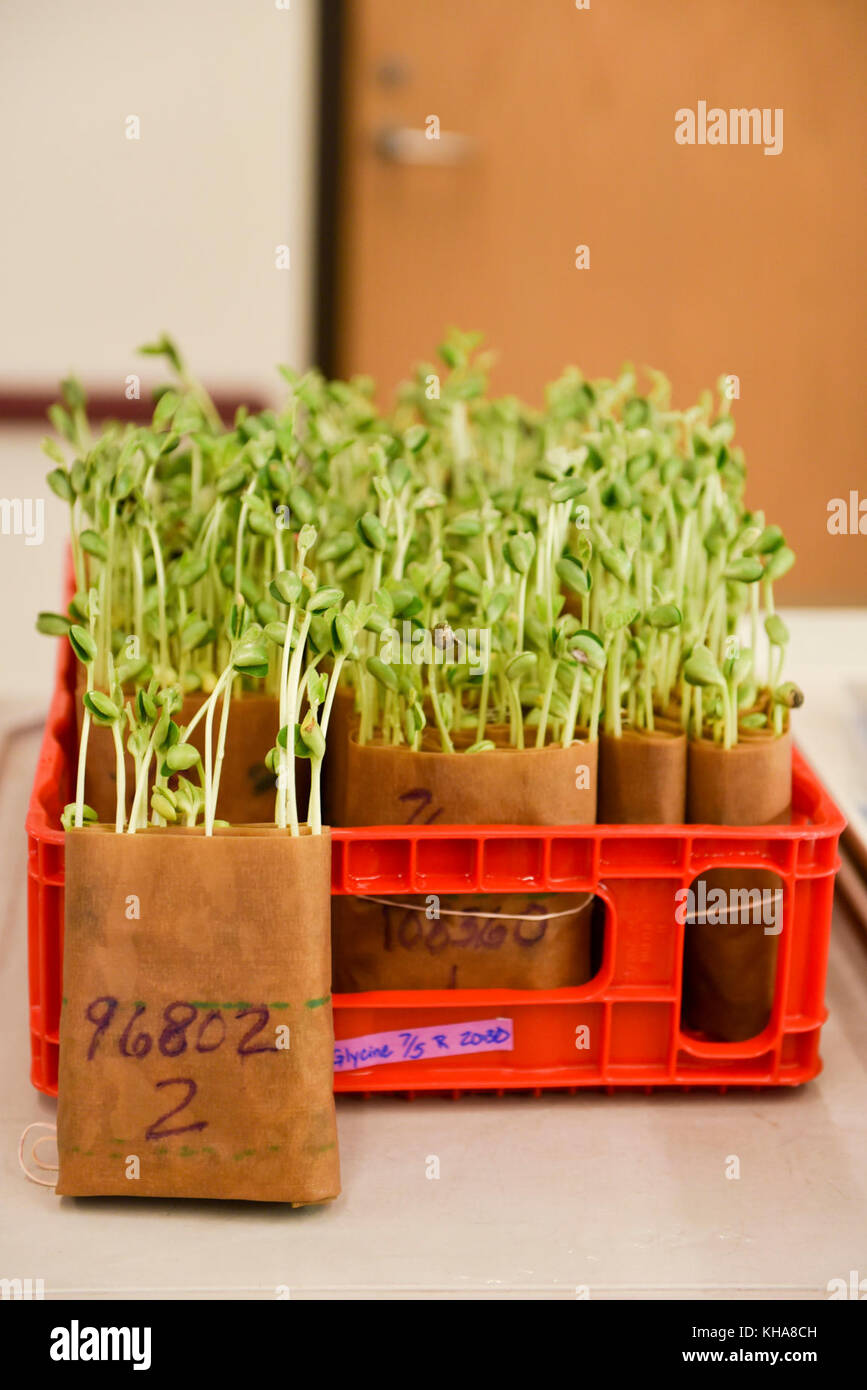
(558, 130)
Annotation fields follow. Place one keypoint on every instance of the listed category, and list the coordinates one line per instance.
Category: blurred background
(257, 179)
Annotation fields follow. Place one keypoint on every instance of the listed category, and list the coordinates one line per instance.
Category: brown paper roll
(343, 724)
(530, 786)
(730, 967)
(750, 784)
(642, 777)
(207, 946)
(477, 942)
(247, 789)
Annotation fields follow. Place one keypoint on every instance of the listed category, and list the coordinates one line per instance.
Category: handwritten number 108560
(185, 1027)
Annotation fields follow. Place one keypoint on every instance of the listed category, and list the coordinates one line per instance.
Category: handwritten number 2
(155, 1132)
(264, 1015)
(423, 798)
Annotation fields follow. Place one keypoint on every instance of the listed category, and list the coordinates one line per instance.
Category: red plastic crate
(633, 1002)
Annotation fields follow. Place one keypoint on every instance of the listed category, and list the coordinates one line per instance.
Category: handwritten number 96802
(178, 1033)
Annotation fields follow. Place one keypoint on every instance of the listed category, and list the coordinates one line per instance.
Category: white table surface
(625, 1195)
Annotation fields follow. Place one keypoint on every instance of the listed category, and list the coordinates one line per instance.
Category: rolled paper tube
(388, 785)
(187, 959)
(749, 784)
(247, 789)
(474, 942)
(730, 964)
(342, 726)
(642, 777)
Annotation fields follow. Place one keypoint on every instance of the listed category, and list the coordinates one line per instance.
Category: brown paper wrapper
(208, 945)
(508, 786)
(729, 968)
(477, 942)
(247, 789)
(642, 777)
(343, 726)
(750, 784)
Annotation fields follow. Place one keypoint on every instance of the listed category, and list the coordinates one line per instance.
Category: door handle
(410, 145)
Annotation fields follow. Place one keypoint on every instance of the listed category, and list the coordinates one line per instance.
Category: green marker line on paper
(316, 1003)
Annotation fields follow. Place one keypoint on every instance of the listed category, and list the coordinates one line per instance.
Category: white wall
(105, 241)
